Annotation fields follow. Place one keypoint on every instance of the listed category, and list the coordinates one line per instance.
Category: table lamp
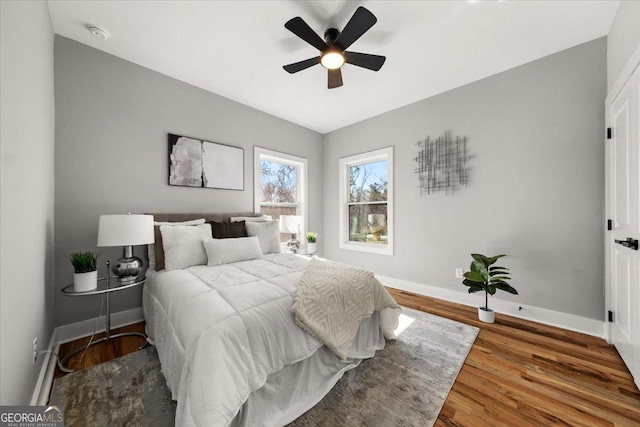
(291, 224)
(126, 231)
(376, 223)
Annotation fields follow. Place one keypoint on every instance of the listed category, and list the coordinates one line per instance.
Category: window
(280, 185)
(366, 202)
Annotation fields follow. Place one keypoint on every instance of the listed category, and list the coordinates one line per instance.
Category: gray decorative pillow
(225, 251)
(228, 230)
(268, 234)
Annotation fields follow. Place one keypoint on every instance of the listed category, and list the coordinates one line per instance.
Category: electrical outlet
(35, 350)
(459, 273)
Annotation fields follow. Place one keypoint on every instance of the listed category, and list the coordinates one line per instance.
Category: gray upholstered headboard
(178, 217)
(218, 217)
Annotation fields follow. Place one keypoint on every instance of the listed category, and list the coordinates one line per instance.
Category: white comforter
(235, 325)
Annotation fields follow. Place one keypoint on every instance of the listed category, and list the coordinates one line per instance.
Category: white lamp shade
(377, 220)
(290, 223)
(125, 230)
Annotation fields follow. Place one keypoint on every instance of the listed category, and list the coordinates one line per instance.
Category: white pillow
(268, 234)
(190, 222)
(263, 218)
(183, 245)
(225, 251)
(151, 248)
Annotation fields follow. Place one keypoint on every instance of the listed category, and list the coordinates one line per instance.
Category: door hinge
(609, 133)
(610, 316)
(609, 225)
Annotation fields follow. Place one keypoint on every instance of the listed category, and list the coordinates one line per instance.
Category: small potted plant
(487, 277)
(85, 276)
(311, 242)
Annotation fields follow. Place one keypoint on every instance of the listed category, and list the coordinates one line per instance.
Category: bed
(229, 346)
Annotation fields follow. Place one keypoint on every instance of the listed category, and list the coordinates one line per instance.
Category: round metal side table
(106, 286)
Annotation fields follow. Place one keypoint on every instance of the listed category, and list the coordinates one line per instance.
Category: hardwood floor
(521, 373)
(518, 373)
(101, 352)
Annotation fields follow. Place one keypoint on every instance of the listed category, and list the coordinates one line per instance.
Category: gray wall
(27, 122)
(623, 38)
(536, 189)
(112, 120)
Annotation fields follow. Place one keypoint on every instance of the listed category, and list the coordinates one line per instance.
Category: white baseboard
(85, 328)
(571, 322)
(71, 332)
(40, 394)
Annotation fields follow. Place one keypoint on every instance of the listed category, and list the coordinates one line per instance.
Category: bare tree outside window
(279, 190)
(279, 182)
(368, 187)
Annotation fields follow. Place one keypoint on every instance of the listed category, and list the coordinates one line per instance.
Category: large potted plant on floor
(487, 277)
(85, 271)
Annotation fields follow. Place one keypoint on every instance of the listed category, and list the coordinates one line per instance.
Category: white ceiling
(237, 48)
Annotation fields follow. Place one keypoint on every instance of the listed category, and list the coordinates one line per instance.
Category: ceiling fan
(333, 49)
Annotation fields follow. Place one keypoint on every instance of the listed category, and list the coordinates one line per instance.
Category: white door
(623, 200)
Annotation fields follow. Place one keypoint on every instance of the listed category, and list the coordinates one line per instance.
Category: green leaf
(499, 278)
(493, 259)
(491, 289)
(479, 268)
(494, 272)
(472, 290)
(497, 267)
(473, 284)
(503, 286)
(474, 276)
(481, 258)
(84, 262)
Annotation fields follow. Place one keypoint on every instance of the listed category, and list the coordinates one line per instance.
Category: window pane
(368, 182)
(368, 223)
(279, 182)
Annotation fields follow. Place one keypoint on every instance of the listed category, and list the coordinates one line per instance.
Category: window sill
(372, 248)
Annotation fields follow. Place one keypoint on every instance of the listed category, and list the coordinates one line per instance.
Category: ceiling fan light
(332, 60)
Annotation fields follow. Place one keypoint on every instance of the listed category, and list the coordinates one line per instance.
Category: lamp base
(127, 267)
(293, 246)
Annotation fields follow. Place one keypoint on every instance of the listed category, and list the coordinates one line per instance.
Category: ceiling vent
(98, 32)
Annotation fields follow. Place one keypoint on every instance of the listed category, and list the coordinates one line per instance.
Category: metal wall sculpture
(442, 164)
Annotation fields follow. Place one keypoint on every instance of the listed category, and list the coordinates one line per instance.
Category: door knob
(629, 243)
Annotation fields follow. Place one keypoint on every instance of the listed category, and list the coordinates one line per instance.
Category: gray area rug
(406, 384)
(127, 391)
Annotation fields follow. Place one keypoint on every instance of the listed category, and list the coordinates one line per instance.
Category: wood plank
(524, 373)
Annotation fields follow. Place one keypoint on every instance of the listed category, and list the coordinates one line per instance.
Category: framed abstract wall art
(198, 163)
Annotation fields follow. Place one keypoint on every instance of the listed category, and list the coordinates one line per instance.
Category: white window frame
(301, 190)
(345, 164)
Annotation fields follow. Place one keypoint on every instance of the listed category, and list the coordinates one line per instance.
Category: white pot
(83, 282)
(486, 315)
(311, 248)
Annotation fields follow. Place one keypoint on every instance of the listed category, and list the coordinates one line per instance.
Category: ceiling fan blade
(335, 78)
(302, 65)
(300, 28)
(359, 23)
(365, 60)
